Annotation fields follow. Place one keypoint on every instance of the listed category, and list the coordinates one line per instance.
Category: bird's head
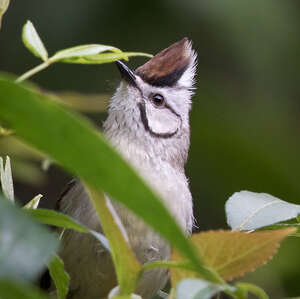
(152, 103)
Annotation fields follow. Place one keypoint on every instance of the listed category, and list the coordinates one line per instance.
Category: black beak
(126, 73)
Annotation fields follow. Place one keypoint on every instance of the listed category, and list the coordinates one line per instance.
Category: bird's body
(154, 139)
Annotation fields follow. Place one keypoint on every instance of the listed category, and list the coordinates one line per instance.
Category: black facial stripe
(167, 80)
(146, 124)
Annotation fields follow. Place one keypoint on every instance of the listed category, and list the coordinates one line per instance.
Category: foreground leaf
(10, 289)
(59, 276)
(6, 179)
(33, 42)
(126, 265)
(30, 114)
(51, 217)
(232, 253)
(3, 7)
(196, 288)
(25, 246)
(249, 210)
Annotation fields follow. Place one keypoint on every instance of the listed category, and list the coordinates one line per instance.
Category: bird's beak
(126, 73)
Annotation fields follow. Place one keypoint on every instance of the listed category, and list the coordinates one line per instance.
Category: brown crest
(167, 67)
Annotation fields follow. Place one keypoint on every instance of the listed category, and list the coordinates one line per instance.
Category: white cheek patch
(162, 121)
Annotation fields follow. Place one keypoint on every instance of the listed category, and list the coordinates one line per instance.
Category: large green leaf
(74, 143)
(25, 246)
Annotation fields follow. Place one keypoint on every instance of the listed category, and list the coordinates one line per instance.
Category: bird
(148, 123)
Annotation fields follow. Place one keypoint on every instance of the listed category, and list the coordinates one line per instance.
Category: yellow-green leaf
(82, 52)
(126, 265)
(231, 253)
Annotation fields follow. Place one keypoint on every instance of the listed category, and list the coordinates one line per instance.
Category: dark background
(245, 117)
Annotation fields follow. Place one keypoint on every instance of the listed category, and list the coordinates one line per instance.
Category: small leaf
(6, 179)
(82, 52)
(52, 217)
(59, 276)
(34, 203)
(196, 289)
(104, 58)
(249, 210)
(3, 7)
(12, 289)
(33, 42)
(25, 245)
(232, 253)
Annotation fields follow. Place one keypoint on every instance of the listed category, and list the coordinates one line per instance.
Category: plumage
(153, 137)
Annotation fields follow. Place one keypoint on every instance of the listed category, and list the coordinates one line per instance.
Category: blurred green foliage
(245, 116)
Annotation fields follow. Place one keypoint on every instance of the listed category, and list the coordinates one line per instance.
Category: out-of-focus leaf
(52, 217)
(249, 210)
(12, 289)
(59, 276)
(232, 253)
(33, 42)
(94, 160)
(82, 52)
(3, 7)
(34, 203)
(197, 288)
(82, 102)
(5, 132)
(25, 245)
(126, 265)
(246, 288)
(6, 179)
(104, 57)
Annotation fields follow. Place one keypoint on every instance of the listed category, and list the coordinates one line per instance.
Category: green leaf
(3, 7)
(249, 210)
(10, 289)
(94, 160)
(197, 288)
(59, 276)
(34, 203)
(33, 42)
(104, 58)
(6, 179)
(25, 245)
(81, 52)
(51, 217)
(126, 265)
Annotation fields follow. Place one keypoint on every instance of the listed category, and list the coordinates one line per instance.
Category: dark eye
(158, 99)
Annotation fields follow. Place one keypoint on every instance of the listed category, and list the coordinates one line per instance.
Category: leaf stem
(33, 71)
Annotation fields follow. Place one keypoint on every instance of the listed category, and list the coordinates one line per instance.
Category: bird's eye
(158, 99)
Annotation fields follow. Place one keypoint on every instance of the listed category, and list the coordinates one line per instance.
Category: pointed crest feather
(169, 65)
